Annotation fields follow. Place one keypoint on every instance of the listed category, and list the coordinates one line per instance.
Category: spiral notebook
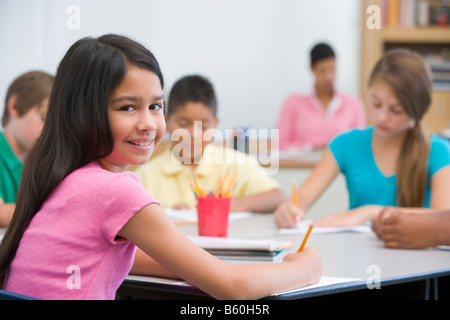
(241, 249)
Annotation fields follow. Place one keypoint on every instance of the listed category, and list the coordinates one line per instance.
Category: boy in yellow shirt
(192, 110)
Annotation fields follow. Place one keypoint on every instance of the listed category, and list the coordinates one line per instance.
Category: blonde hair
(409, 78)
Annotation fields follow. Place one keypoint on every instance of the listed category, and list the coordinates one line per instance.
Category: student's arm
(398, 228)
(152, 231)
(440, 189)
(287, 215)
(261, 202)
(351, 217)
(6, 213)
(440, 200)
(146, 265)
(181, 206)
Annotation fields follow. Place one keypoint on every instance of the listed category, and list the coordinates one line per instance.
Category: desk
(349, 255)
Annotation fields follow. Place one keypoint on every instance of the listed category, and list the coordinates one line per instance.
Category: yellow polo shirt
(170, 182)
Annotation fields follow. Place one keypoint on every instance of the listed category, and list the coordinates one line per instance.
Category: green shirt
(10, 172)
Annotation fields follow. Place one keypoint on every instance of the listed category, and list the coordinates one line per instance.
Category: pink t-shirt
(70, 250)
(304, 123)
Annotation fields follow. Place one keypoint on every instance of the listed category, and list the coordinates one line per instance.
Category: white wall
(254, 51)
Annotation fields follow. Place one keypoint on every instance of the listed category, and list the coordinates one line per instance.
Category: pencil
(222, 184)
(305, 238)
(294, 194)
(216, 190)
(230, 185)
(197, 189)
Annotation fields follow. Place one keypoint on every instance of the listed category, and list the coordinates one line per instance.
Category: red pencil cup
(212, 216)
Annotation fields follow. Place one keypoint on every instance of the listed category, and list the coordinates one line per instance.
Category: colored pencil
(305, 238)
(294, 194)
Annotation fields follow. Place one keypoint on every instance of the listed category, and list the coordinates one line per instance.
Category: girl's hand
(309, 262)
(379, 220)
(287, 215)
(352, 217)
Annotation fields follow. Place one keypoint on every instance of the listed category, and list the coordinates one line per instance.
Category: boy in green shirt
(26, 106)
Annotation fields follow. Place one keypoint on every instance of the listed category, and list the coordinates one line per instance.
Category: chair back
(7, 295)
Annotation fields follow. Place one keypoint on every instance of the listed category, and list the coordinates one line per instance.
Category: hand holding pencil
(310, 255)
(288, 213)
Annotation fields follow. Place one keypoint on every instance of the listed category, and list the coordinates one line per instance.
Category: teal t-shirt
(10, 172)
(366, 184)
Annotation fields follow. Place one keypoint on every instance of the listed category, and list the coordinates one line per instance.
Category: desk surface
(346, 255)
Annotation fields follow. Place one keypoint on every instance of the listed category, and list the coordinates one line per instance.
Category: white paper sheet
(302, 227)
(324, 282)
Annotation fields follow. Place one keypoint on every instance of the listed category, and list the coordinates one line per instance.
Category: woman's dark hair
(76, 130)
(193, 88)
(321, 51)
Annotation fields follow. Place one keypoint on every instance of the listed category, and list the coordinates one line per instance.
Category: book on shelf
(440, 69)
(415, 13)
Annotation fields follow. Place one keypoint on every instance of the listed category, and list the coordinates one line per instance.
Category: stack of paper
(241, 249)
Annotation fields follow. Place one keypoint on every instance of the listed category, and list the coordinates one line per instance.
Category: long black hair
(76, 130)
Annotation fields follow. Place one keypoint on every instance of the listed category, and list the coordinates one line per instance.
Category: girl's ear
(12, 100)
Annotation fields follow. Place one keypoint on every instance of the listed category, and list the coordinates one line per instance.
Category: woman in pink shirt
(310, 121)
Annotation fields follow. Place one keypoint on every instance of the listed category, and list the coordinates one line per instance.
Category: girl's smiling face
(136, 116)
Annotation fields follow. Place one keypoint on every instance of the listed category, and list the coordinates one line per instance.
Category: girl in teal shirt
(366, 184)
(392, 163)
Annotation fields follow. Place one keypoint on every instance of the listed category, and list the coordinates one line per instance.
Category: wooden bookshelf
(375, 42)
(417, 35)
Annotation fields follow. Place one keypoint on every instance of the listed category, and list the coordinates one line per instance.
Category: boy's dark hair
(193, 88)
(31, 88)
(321, 51)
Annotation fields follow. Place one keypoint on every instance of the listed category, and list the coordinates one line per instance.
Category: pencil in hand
(305, 238)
